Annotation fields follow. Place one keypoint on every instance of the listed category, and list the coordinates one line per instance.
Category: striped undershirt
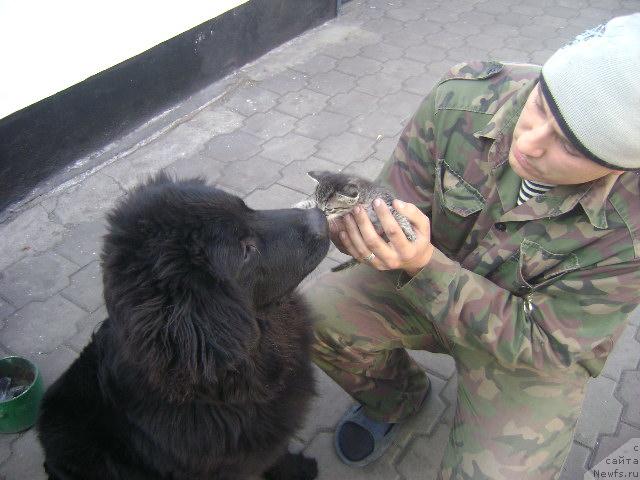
(529, 189)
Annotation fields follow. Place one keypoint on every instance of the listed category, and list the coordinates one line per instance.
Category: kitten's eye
(350, 190)
(250, 250)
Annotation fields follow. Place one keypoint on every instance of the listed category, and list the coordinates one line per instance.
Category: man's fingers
(390, 225)
(360, 249)
(372, 240)
(348, 245)
(415, 216)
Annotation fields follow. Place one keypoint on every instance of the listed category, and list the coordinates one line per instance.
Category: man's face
(540, 151)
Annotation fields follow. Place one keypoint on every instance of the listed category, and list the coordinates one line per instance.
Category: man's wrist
(415, 268)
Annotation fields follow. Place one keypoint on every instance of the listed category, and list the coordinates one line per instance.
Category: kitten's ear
(317, 175)
(350, 190)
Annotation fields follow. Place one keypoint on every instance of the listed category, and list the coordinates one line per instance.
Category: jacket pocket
(538, 266)
(456, 195)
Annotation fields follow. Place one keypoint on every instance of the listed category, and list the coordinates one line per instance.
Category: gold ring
(369, 257)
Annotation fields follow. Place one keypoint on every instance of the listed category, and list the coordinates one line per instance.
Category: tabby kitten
(337, 193)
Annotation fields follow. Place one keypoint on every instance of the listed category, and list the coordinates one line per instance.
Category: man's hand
(337, 225)
(360, 238)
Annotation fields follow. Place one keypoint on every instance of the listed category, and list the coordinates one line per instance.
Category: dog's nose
(317, 223)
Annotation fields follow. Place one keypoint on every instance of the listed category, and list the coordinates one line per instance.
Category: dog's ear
(184, 343)
(211, 333)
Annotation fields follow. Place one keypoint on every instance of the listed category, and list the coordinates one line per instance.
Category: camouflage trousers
(509, 422)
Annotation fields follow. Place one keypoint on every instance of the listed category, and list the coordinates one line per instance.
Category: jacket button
(500, 226)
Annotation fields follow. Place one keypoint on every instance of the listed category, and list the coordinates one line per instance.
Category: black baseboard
(40, 140)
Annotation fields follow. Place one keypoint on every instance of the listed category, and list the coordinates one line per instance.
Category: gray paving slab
(403, 68)
(295, 175)
(422, 456)
(399, 104)
(85, 289)
(285, 82)
(629, 394)
(381, 52)
(26, 459)
(379, 84)
(200, 164)
(340, 51)
(269, 124)
(576, 462)
(302, 103)
(317, 64)
(5, 447)
(247, 175)
(353, 103)
(345, 148)
(369, 168)
(600, 412)
(35, 278)
(52, 363)
(323, 124)
(5, 309)
(331, 82)
(610, 443)
(384, 148)
(328, 407)
(30, 232)
(85, 327)
(180, 142)
(275, 196)
(450, 395)
(336, 97)
(376, 124)
(425, 54)
(81, 244)
(625, 355)
(358, 65)
(237, 145)
(331, 468)
(438, 364)
(40, 326)
(289, 148)
(253, 99)
(217, 120)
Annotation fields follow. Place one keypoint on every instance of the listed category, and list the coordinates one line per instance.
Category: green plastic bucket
(20, 412)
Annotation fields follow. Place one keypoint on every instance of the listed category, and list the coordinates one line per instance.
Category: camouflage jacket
(547, 285)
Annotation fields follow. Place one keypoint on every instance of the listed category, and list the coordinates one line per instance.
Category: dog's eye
(249, 250)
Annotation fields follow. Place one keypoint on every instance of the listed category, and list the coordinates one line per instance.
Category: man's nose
(534, 141)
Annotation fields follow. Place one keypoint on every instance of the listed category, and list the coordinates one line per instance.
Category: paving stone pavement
(335, 97)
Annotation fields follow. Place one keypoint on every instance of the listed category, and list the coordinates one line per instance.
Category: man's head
(582, 121)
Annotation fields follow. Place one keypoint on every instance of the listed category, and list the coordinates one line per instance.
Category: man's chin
(517, 168)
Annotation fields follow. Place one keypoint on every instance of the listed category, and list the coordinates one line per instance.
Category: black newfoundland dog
(202, 369)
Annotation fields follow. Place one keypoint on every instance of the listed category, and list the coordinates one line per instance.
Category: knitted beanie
(592, 87)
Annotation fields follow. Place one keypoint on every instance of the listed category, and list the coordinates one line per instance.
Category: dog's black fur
(201, 370)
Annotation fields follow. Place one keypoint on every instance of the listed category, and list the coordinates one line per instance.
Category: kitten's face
(336, 193)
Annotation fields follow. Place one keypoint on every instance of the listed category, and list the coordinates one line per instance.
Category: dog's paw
(308, 468)
(293, 466)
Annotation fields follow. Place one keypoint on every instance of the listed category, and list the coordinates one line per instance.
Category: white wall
(49, 45)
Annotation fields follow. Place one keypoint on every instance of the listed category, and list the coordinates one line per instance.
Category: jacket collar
(592, 196)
